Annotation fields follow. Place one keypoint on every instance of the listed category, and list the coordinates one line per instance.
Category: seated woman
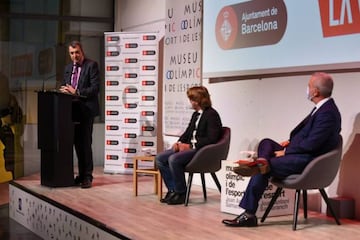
(204, 128)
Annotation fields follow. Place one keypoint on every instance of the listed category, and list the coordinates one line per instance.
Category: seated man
(317, 134)
(205, 128)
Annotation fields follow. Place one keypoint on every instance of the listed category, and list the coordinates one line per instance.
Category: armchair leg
(202, 175)
(325, 197)
(188, 188)
(304, 192)
(216, 180)
(296, 208)
(271, 204)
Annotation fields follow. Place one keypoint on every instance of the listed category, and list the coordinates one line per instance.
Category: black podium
(55, 138)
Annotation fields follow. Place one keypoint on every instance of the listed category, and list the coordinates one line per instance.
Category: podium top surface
(56, 91)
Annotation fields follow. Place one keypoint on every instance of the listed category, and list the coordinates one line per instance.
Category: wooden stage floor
(111, 201)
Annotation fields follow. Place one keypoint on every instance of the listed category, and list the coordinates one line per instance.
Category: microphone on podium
(44, 80)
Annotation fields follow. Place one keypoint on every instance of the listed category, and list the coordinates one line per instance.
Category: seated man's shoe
(252, 168)
(178, 198)
(168, 196)
(246, 171)
(241, 221)
(87, 183)
(78, 181)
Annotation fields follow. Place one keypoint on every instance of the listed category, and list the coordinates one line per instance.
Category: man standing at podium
(82, 78)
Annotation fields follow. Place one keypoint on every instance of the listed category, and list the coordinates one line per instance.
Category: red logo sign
(250, 24)
(339, 17)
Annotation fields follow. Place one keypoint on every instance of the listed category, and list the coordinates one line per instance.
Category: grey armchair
(318, 174)
(208, 160)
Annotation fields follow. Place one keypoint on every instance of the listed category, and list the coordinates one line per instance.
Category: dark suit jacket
(88, 85)
(208, 131)
(320, 133)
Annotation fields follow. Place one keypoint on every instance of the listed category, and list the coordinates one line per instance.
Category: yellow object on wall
(5, 176)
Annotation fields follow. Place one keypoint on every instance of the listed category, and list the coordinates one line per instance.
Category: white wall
(255, 109)
(139, 15)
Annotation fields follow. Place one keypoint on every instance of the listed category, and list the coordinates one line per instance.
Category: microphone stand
(45, 79)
